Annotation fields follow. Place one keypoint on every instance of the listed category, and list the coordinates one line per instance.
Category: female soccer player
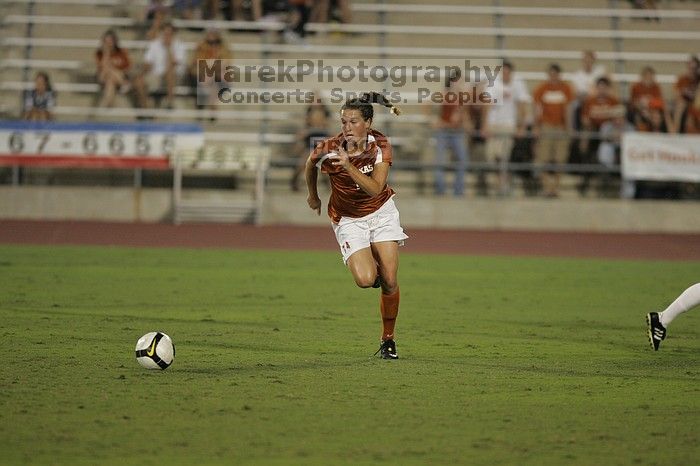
(364, 217)
(657, 322)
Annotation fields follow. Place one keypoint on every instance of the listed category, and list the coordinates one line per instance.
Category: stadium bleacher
(61, 36)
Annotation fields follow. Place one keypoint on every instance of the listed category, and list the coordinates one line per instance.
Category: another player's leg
(658, 322)
(387, 254)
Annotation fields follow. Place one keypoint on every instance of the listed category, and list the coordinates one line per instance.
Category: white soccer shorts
(354, 234)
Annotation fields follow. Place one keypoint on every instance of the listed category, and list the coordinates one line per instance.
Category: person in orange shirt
(644, 91)
(598, 108)
(692, 119)
(211, 47)
(112, 67)
(686, 90)
(361, 206)
(552, 100)
(653, 118)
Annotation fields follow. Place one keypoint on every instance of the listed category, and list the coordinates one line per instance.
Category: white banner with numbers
(663, 157)
(130, 145)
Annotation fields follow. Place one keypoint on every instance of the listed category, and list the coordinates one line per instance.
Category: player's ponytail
(364, 104)
(377, 98)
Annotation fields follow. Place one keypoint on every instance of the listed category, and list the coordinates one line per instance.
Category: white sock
(687, 300)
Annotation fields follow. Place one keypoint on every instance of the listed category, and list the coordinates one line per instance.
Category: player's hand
(315, 203)
(342, 159)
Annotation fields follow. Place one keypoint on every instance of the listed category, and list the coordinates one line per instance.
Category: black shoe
(655, 330)
(387, 350)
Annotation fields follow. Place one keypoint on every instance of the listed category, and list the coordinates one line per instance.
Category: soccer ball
(155, 350)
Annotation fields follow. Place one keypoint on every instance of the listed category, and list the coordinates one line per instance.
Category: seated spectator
(211, 47)
(165, 63)
(112, 67)
(315, 129)
(210, 9)
(653, 118)
(185, 9)
(40, 101)
(609, 150)
(298, 16)
(597, 109)
(552, 100)
(336, 10)
(685, 91)
(235, 10)
(644, 91)
(157, 14)
(692, 117)
(649, 5)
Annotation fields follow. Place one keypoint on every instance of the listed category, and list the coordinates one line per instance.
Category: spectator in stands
(337, 10)
(157, 14)
(505, 121)
(685, 91)
(235, 10)
(598, 108)
(691, 122)
(210, 9)
(40, 101)
(164, 65)
(584, 80)
(644, 91)
(450, 127)
(112, 68)
(185, 9)
(211, 47)
(552, 100)
(609, 150)
(315, 129)
(653, 118)
(298, 16)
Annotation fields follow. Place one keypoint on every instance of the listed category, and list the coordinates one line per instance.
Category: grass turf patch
(503, 360)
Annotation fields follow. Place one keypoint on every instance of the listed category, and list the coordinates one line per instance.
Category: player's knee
(390, 285)
(365, 280)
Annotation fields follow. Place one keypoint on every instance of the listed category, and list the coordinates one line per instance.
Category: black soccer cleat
(387, 350)
(655, 330)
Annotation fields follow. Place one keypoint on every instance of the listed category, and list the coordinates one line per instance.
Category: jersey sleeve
(385, 152)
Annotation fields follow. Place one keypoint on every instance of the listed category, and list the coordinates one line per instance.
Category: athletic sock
(389, 307)
(687, 300)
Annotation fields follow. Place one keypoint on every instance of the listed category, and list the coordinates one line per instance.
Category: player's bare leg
(363, 267)
(387, 255)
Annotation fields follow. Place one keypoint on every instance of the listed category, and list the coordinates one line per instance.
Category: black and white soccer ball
(155, 350)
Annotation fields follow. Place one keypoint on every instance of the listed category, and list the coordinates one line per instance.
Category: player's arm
(372, 185)
(311, 176)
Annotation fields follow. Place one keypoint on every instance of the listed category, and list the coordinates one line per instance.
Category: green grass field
(503, 361)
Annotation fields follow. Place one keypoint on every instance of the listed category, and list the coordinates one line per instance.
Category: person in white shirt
(504, 120)
(165, 63)
(584, 79)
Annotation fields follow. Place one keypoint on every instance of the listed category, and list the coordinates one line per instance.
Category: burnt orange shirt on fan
(347, 198)
(554, 99)
(599, 109)
(640, 90)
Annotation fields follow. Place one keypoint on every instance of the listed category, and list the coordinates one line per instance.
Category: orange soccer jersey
(347, 198)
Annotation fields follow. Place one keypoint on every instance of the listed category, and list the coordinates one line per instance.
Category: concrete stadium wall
(155, 205)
